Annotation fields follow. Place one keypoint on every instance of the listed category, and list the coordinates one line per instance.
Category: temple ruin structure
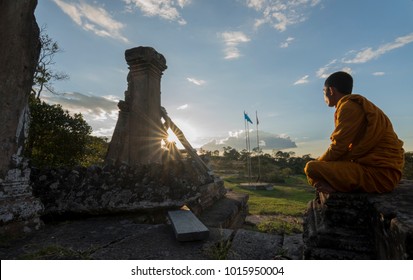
(19, 51)
(144, 172)
(138, 133)
(143, 123)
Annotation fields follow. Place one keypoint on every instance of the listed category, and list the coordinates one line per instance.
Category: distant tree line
(273, 168)
(278, 165)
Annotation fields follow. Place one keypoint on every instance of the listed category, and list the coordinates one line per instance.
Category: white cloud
(302, 80)
(101, 113)
(196, 81)
(287, 42)
(166, 9)
(183, 107)
(183, 3)
(232, 40)
(259, 22)
(93, 18)
(256, 4)
(281, 13)
(112, 98)
(236, 139)
(315, 2)
(368, 54)
(282, 21)
(104, 132)
(332, 67)
(363, 56)
(235, 134)
(322, 71)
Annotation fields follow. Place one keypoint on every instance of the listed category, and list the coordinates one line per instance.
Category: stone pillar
(139, 131)
(19, 52)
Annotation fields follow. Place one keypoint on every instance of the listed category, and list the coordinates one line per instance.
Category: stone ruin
(144, 173)
(19, 51)
(139, 130)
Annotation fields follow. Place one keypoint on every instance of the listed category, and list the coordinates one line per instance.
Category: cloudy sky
(227, 56)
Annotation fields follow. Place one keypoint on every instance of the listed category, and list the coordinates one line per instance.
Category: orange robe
(365, 153)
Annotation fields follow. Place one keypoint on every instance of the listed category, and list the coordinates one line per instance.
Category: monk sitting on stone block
(365, 154)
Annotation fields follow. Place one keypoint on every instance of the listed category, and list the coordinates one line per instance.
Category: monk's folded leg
(343, 176)
(383, 179)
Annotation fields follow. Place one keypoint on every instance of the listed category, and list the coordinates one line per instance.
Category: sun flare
(172, 137)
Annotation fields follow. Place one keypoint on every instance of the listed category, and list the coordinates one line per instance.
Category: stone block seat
(360, 225)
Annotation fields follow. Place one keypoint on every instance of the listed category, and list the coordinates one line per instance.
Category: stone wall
(360, 225)
(151, 189)
(19, 209)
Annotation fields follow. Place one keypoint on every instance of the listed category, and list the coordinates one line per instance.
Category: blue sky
(227, 56)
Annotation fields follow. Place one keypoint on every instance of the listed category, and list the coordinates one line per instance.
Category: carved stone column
(138, 132)
(19, 52)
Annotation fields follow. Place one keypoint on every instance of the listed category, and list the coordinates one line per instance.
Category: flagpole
(246, 139)
(249, 153)
(258, 145)
(248, 145)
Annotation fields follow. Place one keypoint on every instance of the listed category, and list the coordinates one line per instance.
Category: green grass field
(284, 205)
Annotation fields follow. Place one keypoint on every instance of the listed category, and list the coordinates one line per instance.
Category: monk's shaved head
(342, 81)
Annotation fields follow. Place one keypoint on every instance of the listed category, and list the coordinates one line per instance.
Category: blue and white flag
(247, 118)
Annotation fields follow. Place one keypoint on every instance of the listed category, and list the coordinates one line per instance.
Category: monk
(365, 154)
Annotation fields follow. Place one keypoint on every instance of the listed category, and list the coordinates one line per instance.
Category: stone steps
(228, 212)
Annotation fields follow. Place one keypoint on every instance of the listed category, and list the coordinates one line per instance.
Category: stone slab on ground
(252, 245)
(187, 226)
(110, 238)
(122, 238)
(160, 244)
